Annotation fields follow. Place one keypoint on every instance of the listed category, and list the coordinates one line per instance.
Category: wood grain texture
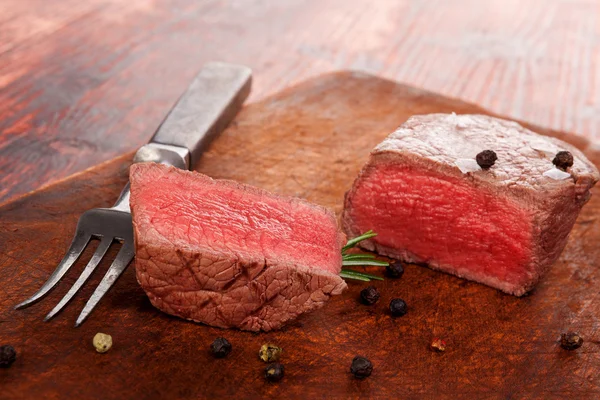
(307, 141)
(82, 82)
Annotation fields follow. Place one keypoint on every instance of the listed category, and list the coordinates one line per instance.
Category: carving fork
(210, 103)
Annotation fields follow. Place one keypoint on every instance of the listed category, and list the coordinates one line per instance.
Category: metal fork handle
(206, 108)
(154, 152)
(209, 104)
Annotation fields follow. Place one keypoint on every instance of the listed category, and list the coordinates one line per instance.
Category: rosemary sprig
(358, 257)
(359, 276)
(353, 242)
(362, 259)
(357, 263)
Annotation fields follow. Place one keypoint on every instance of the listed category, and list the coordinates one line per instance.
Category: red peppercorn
(438, 345)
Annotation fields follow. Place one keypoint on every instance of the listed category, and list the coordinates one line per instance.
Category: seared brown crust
(445, 138)
(435, 142)
(229, 293)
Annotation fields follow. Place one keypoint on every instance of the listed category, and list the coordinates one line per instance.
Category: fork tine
(85, 274)
(121, 262)
(78, 244)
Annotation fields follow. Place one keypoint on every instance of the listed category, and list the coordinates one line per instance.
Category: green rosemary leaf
(346, 275)
(350, 263)
(361, 256)
(353, 242)
(350, 274)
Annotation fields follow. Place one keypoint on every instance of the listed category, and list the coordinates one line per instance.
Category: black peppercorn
(394, 270)
(563, 160)
(570, 341)
(398, 307)
(369, 295)
(8, 355)
(274, 372)
(486, 159)
(361, 367)
(220, 347)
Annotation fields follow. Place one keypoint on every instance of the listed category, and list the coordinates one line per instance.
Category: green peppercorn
(102, 342)
(394, 270)
(369, 295)
(270, 353)
(571, 341)
(8, 355)
(398, 307)
(220, 347)
(361, 367)
(274, 372)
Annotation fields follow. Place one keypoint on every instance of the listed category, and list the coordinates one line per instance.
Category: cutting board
(308, 141)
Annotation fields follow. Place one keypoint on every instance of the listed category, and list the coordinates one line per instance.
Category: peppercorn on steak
(475, 196)
(230, 255)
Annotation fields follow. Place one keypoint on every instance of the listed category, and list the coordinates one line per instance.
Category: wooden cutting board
(308, 141)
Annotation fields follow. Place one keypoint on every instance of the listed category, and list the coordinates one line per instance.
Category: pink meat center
(225, 217)
(444, 220)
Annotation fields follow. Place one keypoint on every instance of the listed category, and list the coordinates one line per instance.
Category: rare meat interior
(241, 219)
(444, 221)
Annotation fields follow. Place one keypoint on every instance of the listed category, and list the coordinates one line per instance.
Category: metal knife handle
(206, 108)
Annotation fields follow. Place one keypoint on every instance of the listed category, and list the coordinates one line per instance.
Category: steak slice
(230, 255)
(429, 202)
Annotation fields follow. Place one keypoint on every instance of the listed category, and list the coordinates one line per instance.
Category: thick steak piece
(424, 194)
(230, 255)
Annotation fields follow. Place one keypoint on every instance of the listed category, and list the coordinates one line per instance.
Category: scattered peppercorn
(486, 159)
(563, 160)
(220, 347)
(274, 372)
(369, 295)
(8, 355)
(361, 367)
(102, 342)
(269, 353)
(438, 345)
(398, 307)
(570, 341)
(395, 270)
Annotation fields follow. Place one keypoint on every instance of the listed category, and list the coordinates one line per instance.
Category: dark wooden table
(84, 81)
(304, 142)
